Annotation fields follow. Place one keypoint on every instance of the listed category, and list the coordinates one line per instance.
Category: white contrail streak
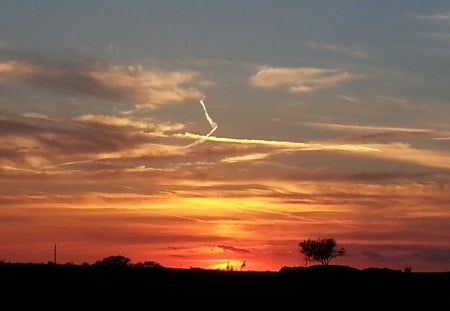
(208, 118)
(286, 144)
(211, 122)
(273, 143)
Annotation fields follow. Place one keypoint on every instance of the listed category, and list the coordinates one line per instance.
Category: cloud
(404, 152)
(352, 52)
(349, 99)
(378, 131)
(157, 129)
(245, 158)
(147, 88)
(352, 128)
(393, 151)
(233, 249)
(301, 79)
(135, 85)
(17, 69)
(441, 18)
(36, 115)
(38, 142)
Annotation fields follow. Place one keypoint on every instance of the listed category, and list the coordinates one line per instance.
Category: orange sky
(97, 185)
(207, 221)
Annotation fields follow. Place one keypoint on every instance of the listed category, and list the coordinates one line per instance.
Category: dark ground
(65, 287)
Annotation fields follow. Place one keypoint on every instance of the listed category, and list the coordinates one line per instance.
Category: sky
(200, 133)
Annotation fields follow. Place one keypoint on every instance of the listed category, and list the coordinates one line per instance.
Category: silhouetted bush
(114, 261)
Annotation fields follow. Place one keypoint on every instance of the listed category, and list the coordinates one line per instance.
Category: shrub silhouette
(114, 261)
(322, 250)
(150, 264)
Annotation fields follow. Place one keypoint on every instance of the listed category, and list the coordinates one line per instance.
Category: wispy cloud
(37, 115)
(393, 151)
(349, 99)
(147, 88)
(441, 18)
(406, 153)
(365, 128)
(233, 248)
(40, 142)
(245, 158)
(351, 52)
(300, 79)
(17, 69)
(377, 131)
(158, 129)
(132, 85)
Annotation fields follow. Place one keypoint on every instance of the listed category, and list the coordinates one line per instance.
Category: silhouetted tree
(322, 250)
(114, 261)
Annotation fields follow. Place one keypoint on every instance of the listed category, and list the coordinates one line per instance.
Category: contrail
(285, 144)
(273, 143)
(208, 118)
(211, 122)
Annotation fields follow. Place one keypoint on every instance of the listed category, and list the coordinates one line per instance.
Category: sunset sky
(193, 133)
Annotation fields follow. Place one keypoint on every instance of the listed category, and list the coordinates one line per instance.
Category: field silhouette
(82, 286)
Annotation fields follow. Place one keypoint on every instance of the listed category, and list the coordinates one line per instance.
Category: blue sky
(398, 46)
(320, 114)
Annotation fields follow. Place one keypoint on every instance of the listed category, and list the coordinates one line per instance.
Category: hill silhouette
(84, 285)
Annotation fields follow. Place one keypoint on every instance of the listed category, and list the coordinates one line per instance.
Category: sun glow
(228, 265)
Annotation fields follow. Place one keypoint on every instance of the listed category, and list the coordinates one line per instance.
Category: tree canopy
(322, 250)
